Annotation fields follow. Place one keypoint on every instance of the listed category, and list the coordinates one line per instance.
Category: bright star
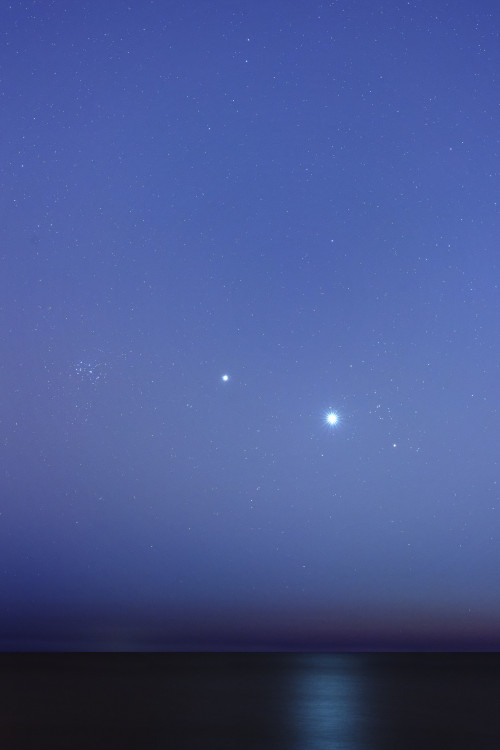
(225, 378)
(332, 418)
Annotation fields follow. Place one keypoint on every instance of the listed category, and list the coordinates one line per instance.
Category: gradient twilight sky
(303, 196)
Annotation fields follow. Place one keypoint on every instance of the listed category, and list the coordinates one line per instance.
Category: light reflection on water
(326, 702)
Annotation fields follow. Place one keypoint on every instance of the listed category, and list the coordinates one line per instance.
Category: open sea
(232, 701)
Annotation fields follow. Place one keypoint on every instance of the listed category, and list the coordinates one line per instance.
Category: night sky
(302, 197)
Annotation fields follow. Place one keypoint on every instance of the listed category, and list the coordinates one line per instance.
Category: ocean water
(250, 701)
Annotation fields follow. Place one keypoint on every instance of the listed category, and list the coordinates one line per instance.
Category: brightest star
(332, 418)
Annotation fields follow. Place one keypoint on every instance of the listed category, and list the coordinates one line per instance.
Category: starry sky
(302, 197)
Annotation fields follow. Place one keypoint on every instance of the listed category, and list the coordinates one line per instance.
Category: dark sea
(448, 701)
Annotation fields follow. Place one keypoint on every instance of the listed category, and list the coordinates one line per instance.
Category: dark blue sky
(303, 196)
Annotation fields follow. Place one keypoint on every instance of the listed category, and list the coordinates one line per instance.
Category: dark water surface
(250, 701)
